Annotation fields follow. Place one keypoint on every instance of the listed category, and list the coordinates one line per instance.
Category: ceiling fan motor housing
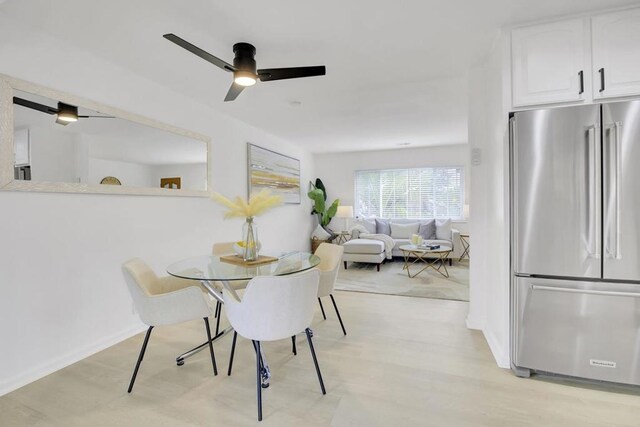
(245, 57)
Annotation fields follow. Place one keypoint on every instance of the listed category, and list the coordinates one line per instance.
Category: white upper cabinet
(616, 54)
(548, 63)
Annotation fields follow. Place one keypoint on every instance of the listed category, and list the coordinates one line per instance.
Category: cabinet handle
(601, 71)
(581, 75)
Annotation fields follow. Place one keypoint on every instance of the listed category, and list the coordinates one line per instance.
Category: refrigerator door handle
(618, 172)
(593, 246)
(584, 291)
(614, 175)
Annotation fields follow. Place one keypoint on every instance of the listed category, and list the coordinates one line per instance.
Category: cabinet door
(616, 54)
(548, 63)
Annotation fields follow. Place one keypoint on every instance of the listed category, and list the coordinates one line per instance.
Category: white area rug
(393, 280)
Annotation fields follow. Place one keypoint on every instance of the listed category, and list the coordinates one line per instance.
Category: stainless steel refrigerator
(575, 242)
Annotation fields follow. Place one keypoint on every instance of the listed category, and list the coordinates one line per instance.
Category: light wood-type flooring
(405, 362)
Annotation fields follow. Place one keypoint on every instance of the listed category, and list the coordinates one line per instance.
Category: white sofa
(453, 241)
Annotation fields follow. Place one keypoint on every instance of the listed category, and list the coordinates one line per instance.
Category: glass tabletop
(414, 248)
(209, 267)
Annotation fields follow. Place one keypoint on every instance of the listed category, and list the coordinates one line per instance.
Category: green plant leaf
(330, 213)
(320, 185)
(317, 196)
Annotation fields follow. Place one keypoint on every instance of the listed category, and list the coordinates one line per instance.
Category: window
(410, 193)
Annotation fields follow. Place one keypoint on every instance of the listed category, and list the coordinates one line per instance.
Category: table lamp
(345, 212)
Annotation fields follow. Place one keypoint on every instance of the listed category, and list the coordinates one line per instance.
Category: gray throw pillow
(369, 224)
(383, 227)
(428, 229)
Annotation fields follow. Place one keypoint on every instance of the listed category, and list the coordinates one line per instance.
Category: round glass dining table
(209, 269)
(213, 268)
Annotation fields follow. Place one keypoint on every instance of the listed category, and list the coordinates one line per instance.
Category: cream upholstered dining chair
(330, 256)
(274, 308)
(219, 249)
(164, 301)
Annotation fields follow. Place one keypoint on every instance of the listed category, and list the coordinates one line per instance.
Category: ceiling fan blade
(96, 117)
(201, 53)
(34, 105)
(234, 91)
(290, 73)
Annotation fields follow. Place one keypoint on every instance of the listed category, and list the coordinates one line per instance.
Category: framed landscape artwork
(274, 171)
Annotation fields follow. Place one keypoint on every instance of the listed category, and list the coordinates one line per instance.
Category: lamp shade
(344, 212)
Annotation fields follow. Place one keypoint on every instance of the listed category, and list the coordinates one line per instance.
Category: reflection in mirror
(57, 142)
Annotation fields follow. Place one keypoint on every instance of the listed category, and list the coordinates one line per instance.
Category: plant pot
(315, 242)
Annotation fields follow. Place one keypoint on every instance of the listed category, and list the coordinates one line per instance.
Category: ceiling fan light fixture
(67, 113)
(244, 78)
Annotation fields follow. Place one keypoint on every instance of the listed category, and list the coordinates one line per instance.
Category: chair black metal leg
(142, 350)
(338, 313)
(258, 378)
(315, 360)
(233, 351)
(217, 309)
(293, 345)
(218, 320)
(322, 308)
(213, 356)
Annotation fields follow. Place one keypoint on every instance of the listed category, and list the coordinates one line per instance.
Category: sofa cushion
(363, 246)
(400, 242)
(382, 226)
(443, 229)
(427, 229)
(369, 224)
(403, 231)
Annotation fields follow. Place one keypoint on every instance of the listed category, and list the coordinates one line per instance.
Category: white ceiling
(396, 71)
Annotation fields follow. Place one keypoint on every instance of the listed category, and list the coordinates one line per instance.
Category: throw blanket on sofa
(360, 232)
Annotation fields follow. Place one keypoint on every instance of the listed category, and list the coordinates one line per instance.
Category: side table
(342, 237)
(466, 246)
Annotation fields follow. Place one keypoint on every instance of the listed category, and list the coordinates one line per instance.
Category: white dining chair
(220, 249)
(165, 301)
(274, 308)
(330, 256)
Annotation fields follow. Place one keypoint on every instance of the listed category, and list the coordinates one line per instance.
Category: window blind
(435, 192)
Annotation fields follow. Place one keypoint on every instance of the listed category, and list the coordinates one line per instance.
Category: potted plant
(319, 196)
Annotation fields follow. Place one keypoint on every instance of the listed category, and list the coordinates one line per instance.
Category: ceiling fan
(244, 66)
(65, 113)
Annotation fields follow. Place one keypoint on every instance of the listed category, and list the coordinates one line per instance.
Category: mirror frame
(8, 183)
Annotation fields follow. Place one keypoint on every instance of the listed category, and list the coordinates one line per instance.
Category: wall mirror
(56, 142)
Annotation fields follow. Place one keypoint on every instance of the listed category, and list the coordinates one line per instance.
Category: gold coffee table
(433, 258)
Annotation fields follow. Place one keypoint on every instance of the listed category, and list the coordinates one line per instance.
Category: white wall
(52, 155)
(192, 176)
(337, 170)
(129, 174)
(62, 295)
(489, 219)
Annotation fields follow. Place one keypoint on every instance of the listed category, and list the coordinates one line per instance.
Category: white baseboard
(502, 357)
(45, 369)
(474, 323)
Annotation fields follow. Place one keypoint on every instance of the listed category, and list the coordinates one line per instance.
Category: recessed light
(295, 103)
(403, 144)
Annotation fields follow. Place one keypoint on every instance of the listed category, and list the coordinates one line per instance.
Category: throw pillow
(382, 227)
(404, 231)
(369, 224)
(443, 229)
(428, 229)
